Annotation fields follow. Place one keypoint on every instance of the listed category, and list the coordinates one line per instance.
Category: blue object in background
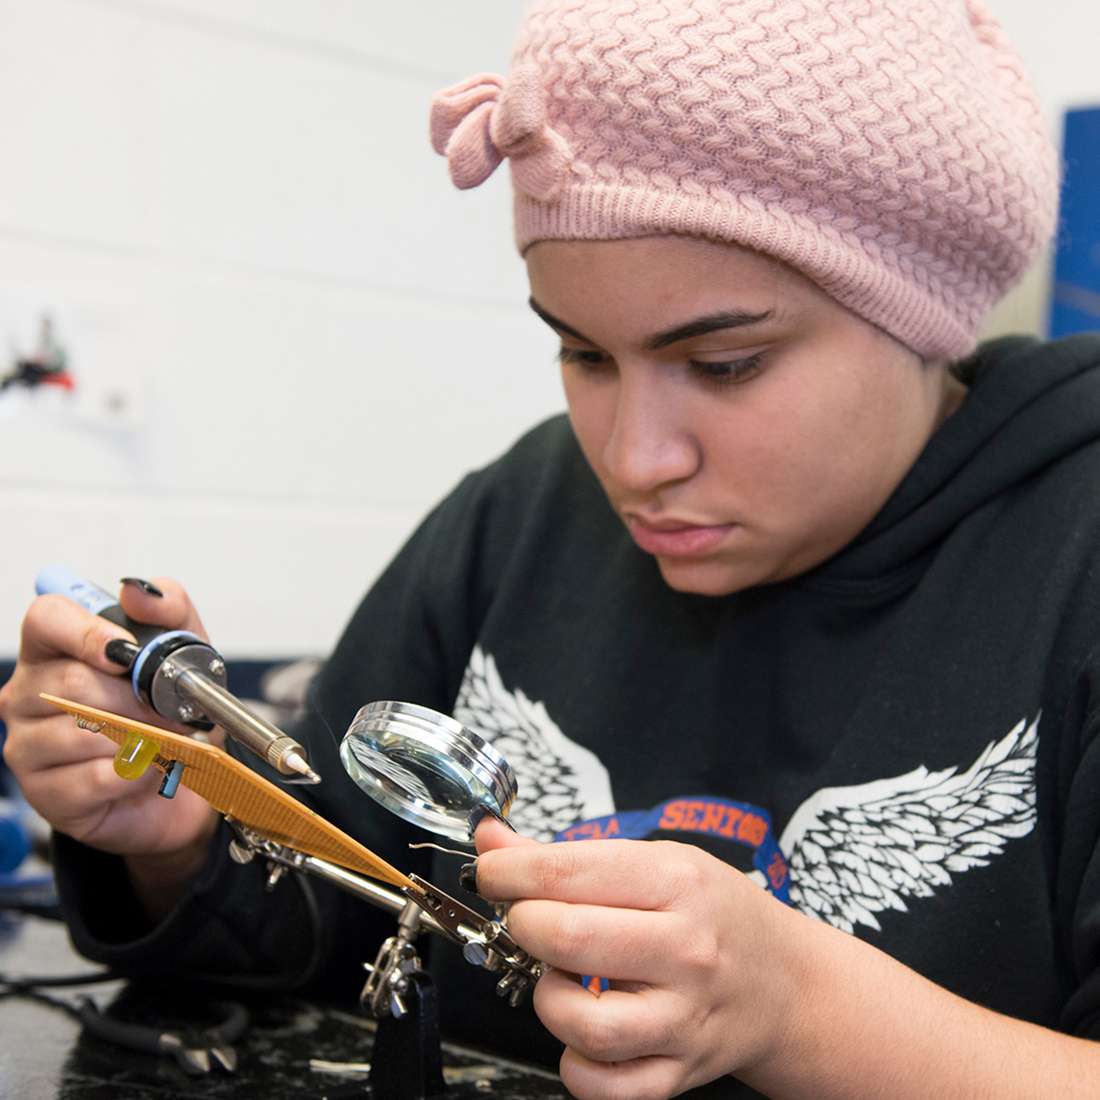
(23, 886)
(15, 833)
(1075, 301)
(15, 840)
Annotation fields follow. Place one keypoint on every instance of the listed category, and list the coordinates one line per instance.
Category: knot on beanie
(890, 150)
(479, 122)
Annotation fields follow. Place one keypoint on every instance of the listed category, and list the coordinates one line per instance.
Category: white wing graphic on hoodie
(855, 851)
(560, 782)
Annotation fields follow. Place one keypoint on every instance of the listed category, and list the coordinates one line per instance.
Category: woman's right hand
(67, 773)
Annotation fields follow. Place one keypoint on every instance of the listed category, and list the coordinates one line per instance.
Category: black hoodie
(900, 742)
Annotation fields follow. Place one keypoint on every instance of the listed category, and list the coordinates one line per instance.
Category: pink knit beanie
(891, 150)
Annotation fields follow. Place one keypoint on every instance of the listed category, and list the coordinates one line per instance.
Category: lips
(673, 538)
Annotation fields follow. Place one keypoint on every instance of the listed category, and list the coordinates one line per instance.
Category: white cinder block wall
(291, 334)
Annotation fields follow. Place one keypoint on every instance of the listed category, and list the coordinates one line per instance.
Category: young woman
(803, 590)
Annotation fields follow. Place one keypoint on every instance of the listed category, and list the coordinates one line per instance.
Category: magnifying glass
(426, 767)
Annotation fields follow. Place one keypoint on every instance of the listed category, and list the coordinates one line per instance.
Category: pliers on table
(216, 1050)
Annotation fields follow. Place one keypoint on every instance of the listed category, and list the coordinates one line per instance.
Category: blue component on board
(171, 781)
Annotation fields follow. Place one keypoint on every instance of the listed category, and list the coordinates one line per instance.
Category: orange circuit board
(238, 792)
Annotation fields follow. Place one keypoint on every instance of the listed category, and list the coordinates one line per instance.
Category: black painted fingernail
(145, 586)
(467, 877)
(480, 812)
(121, 652)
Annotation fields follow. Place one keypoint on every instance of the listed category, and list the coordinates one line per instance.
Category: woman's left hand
(702, 962)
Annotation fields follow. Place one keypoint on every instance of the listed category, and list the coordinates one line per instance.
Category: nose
(650, 444)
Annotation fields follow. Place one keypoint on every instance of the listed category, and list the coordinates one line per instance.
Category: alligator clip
(485, 942)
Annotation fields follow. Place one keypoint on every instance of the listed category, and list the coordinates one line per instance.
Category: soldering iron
(182, 677)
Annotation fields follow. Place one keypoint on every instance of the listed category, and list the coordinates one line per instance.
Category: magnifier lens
(425, 767)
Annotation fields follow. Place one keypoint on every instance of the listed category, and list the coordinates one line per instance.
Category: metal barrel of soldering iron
(182, 677)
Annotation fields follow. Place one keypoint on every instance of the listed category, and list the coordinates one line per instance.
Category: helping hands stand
(406, 1063)
(387, 739)
(407, 1060)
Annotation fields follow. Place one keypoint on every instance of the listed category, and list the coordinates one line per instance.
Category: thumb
(170, 607)
(492, 833)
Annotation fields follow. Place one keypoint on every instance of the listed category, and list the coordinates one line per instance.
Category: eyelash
(732, 373)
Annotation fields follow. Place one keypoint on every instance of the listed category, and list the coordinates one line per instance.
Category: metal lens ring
(426, 767)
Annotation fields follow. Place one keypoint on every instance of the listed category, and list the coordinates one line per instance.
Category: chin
(707, 578)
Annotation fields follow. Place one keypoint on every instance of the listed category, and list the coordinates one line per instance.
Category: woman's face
(744, 425)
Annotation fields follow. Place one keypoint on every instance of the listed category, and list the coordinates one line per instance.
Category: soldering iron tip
(297, 763)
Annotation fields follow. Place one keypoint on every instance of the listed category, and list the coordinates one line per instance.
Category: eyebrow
(700, 326)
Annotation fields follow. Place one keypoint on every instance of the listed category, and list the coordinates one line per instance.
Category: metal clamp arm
(485, 942)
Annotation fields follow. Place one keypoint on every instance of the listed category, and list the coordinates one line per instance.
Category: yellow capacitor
(135, 755)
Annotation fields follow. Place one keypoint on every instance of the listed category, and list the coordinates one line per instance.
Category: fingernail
(121, 652)
(480, 812)
(145, 586)
(467, 877)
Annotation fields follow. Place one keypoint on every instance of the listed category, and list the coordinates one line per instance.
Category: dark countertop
(44, 1055)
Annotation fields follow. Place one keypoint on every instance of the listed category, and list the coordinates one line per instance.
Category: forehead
(631, 288)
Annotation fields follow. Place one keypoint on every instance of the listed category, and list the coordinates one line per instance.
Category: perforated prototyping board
(238, 792)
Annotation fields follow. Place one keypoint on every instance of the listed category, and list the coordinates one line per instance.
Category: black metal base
(407, 1063)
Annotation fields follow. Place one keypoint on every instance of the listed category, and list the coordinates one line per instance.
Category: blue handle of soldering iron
(61, 580)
